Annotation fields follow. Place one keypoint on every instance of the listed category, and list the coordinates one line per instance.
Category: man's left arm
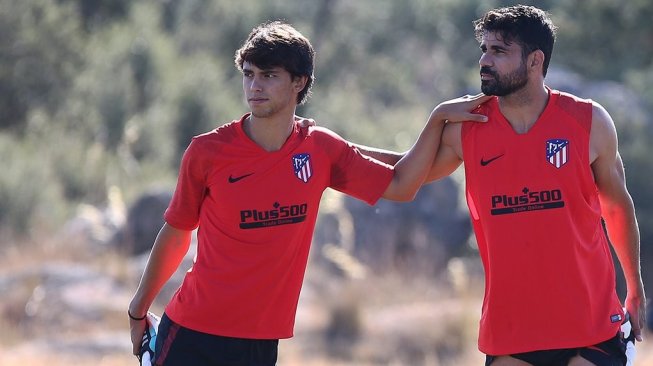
(618, 211)
(415, 165)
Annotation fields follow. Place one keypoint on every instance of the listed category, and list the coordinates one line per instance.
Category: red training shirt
(549, 275)
(256, 211)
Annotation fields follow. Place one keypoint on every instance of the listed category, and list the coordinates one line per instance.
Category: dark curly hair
(529, 26)
(278, 44)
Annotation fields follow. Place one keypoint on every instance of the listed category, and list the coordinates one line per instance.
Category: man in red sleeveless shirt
(540, 176)
(252, 189)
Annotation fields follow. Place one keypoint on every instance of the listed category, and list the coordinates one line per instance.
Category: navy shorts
(180, 346)
(609, 353)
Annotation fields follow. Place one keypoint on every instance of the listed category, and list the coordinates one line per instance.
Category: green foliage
(40, 51)
(108, 93)
(25, 190)
(95, 13)
(616, 34)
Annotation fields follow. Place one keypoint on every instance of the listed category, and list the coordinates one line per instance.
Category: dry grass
(391, 320)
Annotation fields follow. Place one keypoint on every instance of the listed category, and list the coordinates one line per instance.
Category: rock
(144, 220)
(418, 236)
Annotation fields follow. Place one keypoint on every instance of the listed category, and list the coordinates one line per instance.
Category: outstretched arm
(447, 159)
(169, 249)
(412, 169)
(618, 211)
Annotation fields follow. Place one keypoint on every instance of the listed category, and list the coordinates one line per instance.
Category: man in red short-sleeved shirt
(540, 176)
(252, 189)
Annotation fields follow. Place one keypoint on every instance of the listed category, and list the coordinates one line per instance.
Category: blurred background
(99, 98)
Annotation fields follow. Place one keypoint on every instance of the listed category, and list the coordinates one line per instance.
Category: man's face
(269, 91)
(502, 66)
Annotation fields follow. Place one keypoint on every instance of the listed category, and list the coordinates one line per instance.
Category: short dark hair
(278, 44)
(529, 26)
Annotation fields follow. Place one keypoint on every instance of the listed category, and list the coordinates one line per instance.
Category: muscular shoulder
(603, 134)
(578, 108)
(601, 119)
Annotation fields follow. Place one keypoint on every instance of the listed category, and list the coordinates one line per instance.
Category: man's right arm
(169, 249)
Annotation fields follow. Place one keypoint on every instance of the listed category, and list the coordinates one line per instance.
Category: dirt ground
(386, 331)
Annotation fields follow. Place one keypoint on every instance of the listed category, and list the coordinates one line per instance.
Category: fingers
(477, 117)
(637, 330)
(481, 98)
(476, 96)
(137, 328)
(636, 309)
(136, 347)
(637, 323)
(306, 122)
(136, 343)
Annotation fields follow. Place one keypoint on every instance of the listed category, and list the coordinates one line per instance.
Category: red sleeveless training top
(549, 275)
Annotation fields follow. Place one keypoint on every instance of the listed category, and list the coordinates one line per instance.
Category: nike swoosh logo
(236, 179)
(486, 162)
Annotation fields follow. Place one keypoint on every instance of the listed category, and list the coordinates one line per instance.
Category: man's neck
(524, 107)
(269, 133)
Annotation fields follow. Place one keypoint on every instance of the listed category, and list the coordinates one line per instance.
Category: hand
(137, 329)
(459, 109)
(636, 307)
(305, 122)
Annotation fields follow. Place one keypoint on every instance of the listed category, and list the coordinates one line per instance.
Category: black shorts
(609, 353)
(176, 345)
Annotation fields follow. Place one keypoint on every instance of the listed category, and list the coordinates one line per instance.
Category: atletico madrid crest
(302, 166)
(557, 152)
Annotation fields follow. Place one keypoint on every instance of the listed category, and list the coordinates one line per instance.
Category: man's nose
(484, 60)
(255, 83)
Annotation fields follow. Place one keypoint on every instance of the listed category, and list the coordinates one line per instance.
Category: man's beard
(504, 85)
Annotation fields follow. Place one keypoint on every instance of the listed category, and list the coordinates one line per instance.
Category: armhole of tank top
(464, 130)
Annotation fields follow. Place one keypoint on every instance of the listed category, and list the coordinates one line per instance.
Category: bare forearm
(623, 232)
(412, 169)
(169, 249)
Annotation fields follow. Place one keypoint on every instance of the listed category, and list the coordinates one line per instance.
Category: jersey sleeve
(184, 209)
(356, 174)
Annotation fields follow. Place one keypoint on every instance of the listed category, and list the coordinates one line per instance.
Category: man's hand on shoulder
(461, 109)
(305, 122)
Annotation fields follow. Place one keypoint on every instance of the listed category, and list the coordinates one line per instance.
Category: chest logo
(488, 161)
(557, 152)
(527, 201)
(301, 164)
(233, 179)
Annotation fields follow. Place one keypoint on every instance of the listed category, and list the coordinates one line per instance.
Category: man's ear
(299, 82)
(536, 59)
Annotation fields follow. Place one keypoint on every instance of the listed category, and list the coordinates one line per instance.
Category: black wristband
(135, 318)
